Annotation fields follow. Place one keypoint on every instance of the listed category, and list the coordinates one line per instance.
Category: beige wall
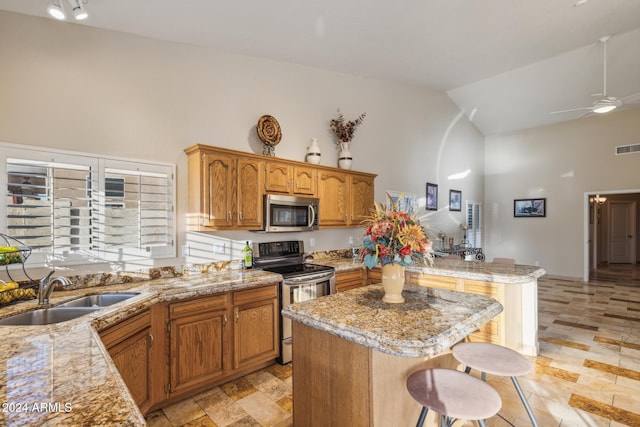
(71, 87)
(563, 163)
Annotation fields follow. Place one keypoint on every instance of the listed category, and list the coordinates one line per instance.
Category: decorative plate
(269, 130)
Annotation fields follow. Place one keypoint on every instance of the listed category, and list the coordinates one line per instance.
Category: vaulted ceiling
(506, 63)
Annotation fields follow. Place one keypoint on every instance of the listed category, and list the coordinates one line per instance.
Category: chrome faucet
(47, 284)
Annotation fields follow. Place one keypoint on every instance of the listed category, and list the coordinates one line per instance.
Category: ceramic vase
(344, 156)
(313, 152)
(393, 282)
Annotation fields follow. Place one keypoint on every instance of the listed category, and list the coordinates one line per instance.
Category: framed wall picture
(405, 201)
(455, 200)
(530, 207)
(432, 197)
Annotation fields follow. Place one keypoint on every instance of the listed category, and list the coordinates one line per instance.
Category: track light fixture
(79, 12)
(56, 9)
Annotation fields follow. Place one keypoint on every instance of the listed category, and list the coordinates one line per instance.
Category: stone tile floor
(587, 372)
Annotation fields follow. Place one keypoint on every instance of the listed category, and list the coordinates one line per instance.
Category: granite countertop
(429, 322)
(473, 270)
(483, 271)
(61, 374)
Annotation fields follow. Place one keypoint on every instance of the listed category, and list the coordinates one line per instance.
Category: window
(81, 207)
(474, 224)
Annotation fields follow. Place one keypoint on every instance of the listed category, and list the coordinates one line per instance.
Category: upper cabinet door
(362, 198)
(333, 191)
(305, 181)
(249, 188)
(219, 188)
(277, 178)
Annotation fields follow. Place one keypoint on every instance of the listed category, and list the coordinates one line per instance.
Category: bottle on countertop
(248, 256)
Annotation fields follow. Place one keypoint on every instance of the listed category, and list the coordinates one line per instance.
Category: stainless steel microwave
(290, 213)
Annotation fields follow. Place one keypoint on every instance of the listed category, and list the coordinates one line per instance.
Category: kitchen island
(515, 286)
(352, 353)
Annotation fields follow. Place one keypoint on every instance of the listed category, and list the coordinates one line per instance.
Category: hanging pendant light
(55, 9)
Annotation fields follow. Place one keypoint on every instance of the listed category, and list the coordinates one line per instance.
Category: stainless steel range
(302, 281)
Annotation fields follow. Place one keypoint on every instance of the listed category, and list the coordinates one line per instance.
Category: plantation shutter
(474, 224)
(49, 205)
(138, 208)
(84, 208)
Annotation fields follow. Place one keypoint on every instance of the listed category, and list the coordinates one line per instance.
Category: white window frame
(98, 165)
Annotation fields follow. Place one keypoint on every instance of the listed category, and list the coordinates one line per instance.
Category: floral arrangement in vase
(393, 236)
(343, 129)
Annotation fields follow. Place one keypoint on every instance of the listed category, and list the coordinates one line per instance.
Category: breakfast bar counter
(352, 352)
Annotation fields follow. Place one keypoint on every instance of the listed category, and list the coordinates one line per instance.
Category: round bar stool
(496, 360)
(454, 395)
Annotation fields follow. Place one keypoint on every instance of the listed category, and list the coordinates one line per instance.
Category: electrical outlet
(185, 250)
(218, 249)
(351, 240)
(312, 242)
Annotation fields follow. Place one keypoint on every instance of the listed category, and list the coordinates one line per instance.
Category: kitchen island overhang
(352, 353)
(427, 323)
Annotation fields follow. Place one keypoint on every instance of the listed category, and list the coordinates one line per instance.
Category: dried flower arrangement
(393, 236)
(344, 130)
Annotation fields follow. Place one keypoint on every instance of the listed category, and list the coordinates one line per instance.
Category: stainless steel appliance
(301, 281)
(290, 213)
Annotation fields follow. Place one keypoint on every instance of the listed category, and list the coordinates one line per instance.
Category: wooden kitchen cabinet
(350, 279)
(333, 191)
(226, 189)
(277, 178)
(362, 198)
(129, 344)
(248, 194)
(256, 326)
(199, 343)
(346, 199)
(305, 181)
(374, 276)
(285, 178)
(225, 192)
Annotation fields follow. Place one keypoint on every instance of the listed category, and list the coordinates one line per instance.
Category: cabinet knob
(224, 319)
(237, 316)
(150, 339)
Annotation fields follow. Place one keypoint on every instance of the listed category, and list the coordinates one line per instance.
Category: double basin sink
(68, 310)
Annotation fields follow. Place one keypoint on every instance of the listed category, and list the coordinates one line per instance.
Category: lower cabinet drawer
(439, 282)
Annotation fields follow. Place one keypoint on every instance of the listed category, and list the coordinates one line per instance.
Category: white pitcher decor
(393, 239)
(313, 152)
(344, 131)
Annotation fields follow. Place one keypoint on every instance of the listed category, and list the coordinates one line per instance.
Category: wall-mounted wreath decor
(269, 133)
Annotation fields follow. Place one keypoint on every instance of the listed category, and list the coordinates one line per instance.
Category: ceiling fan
(606, 103)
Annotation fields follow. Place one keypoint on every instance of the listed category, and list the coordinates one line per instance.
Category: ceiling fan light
(55, 9)
(602, 108)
